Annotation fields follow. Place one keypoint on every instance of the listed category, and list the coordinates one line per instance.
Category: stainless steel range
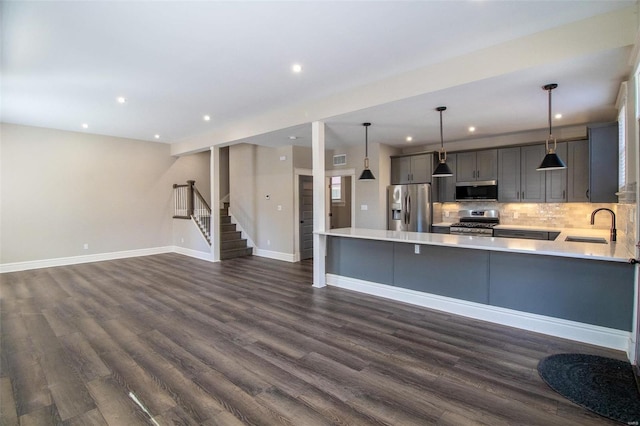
(477, 223)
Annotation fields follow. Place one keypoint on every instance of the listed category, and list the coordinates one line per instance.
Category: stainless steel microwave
(486, 190)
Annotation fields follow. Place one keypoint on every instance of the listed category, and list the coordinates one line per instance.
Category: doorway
(340, 205)
(305, 203)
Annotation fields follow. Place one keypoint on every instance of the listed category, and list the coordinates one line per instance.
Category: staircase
(231, 242)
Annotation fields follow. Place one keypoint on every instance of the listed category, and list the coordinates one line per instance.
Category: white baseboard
(572, 330)
(202, 255)
(287, 257)
(73, 260)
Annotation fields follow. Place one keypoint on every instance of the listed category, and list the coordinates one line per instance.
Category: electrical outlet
(416, 248)
(268, 242)
(446, 214)
(279, 207)
(182, 240)
(86, 246)
(516, 215)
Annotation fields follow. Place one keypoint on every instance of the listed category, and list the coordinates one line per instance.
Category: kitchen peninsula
(581, 291)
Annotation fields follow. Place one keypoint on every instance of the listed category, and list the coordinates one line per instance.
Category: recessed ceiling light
(296, 68)
(293, 138)
(558, 116)
(157, 136)
(121, 99)
(85, 126)
(472, 129)
(206, 118)
(409, 138)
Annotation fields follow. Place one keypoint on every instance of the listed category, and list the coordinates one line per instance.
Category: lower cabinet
(440, 229)
(525, 234)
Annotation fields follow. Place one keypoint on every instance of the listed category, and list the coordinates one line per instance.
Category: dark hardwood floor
(172, 340)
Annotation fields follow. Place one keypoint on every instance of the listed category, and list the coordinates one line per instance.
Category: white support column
(319, 207)
(214, 179)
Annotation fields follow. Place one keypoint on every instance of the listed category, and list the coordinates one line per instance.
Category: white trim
(287, 257)
(202, 255)
(74, 260)
(586, 333)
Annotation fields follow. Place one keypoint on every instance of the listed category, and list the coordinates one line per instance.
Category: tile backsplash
(549, 215)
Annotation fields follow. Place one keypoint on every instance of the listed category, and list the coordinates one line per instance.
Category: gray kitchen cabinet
(532, 182)
(526, 234)
(556, 180)
(400, 170)
(411, 169)
(578, 171)
(603, 163)
(509, 175)
(421, 168)
(446, 186)
(518, 179)
(477, 165)
(440, 229)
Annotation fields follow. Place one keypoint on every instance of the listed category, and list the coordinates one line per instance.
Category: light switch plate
(364, 207)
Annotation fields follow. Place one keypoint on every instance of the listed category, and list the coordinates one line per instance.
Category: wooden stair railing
(189, 204)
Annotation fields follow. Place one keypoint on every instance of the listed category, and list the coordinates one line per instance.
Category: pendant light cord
(550, 132)
(366, 141)
(441, 137)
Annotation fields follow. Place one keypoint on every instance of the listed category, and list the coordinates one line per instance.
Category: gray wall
(60, 190)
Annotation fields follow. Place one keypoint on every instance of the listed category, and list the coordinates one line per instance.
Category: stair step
(230, 254)
(231, 235)
(227, 227)
(233, 244)
(225, 219)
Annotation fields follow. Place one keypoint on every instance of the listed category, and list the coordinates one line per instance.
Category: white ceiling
(65, 63)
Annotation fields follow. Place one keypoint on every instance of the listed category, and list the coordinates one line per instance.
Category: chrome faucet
(613, 221)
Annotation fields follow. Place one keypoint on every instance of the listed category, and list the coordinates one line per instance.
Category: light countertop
(613, 252)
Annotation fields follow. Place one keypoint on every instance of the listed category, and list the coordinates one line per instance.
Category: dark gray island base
(591, 292)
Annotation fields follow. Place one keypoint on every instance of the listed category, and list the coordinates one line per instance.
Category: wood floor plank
(67, 388)
(8, 414)
(115, 406)
(250, 341)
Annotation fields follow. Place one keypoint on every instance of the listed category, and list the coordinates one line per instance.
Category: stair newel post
(190, 197)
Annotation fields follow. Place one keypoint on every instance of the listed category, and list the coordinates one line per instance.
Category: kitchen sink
(576, 239)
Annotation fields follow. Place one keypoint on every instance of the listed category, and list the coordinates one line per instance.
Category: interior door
(305, 198)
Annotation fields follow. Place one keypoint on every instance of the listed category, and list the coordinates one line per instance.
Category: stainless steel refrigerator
(409, 207)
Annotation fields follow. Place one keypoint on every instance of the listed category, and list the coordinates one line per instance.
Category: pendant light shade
(551, 160)
(366, 173)
(442, 170)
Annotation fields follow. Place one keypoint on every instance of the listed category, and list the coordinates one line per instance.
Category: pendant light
(366, 173)
(551, 161)
(442, 170)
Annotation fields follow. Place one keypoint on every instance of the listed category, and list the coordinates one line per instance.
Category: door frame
(342, 172)
(297, 172)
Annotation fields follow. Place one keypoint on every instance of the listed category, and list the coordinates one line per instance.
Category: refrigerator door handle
(408, 209)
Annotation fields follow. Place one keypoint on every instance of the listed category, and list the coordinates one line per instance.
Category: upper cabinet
(532, 182)
(520, 181)
(411, 169)
(509, 175)
(477, 165)
(603, 163)
(556, 189)
(445, 187)
(578, 171)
